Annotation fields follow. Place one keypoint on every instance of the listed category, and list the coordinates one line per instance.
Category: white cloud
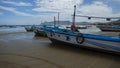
(17, 3)
(96, 9)
(15, 11)
(47, 9)
(56, 5)
(65, 7)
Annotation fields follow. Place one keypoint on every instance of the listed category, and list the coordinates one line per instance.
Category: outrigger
(102, 43)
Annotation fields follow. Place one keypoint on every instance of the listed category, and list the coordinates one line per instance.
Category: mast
(54, 21)
(74, 14)
(58, 19)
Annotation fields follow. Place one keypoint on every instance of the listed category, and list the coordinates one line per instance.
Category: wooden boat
(39, 32)
(98, 42)
(112, 28)
(79, 27)
(109, 44)
(29, 28)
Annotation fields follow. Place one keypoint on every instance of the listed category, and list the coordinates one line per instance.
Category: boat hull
(110, 29)
(85, 42)
(59, 42)
(40, 33)
(29, 29)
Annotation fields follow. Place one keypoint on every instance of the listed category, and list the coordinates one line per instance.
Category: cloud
(56, 5)
(65, 7)
(96, 8)
(17, 3)
(51, 7)
(45, 10)
(15, 11)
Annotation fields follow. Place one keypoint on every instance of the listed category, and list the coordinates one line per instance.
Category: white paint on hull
(106, 45)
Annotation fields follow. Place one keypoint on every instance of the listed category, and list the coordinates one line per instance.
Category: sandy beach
(23, 50)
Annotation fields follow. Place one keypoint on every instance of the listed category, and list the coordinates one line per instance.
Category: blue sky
(36, 11)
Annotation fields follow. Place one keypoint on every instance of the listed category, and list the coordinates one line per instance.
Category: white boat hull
(112, 47)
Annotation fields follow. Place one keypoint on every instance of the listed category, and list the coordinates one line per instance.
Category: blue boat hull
(109, 28)
(96, 42)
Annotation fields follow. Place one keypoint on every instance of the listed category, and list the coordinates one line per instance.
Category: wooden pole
(54, 21)
(74, 14)
(58, 18)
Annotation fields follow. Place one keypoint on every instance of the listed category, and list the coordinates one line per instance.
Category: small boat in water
(72, 37)
(112, 28)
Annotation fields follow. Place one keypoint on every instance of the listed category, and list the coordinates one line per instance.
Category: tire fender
(80, 39)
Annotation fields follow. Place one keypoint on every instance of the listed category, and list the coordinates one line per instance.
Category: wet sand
(23, 50)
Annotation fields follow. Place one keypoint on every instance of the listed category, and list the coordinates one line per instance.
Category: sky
(25, 12)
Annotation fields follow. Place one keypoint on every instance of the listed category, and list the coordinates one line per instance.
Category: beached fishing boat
(109, 44)
(39, 32)
(29, 28)
(112, 28)
(98, 42)
(78, 27)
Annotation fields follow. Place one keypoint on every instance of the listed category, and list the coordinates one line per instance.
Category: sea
(8, 30)
(89, 30)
